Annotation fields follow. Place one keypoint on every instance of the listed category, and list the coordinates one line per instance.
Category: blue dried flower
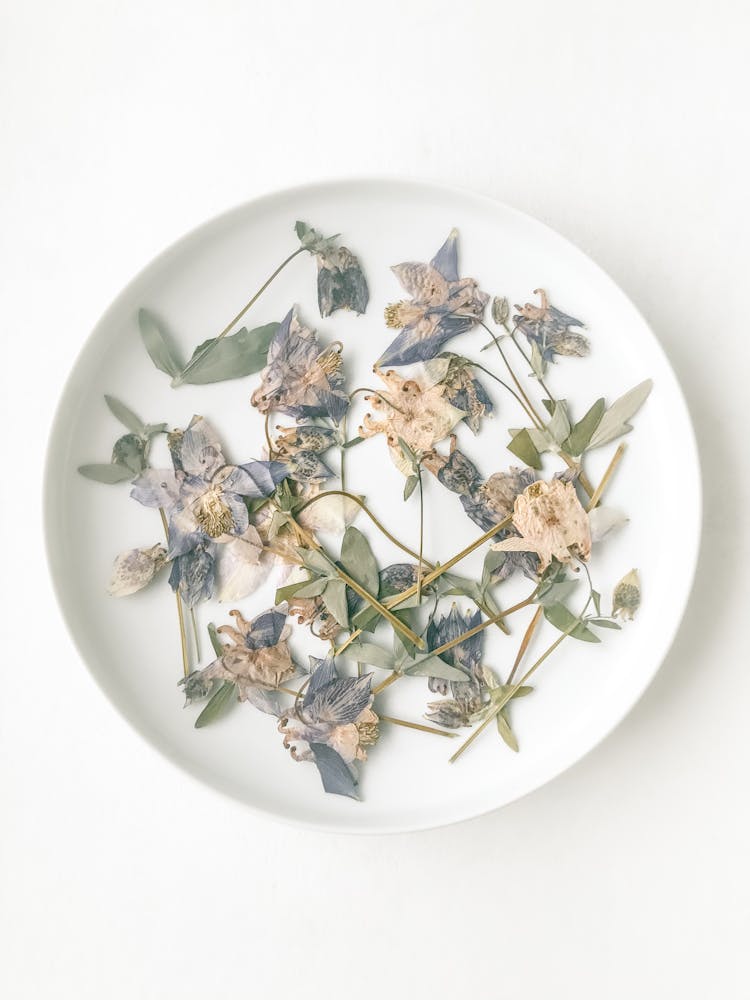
(442, 306)
(301, 379)
(549, 329)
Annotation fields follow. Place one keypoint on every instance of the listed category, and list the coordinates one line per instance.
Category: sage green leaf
(538, 364)
(434, 666)
(368, 653)
(216, 643)
(125, 415)
(556, 593)
(241, 354)
(596, 597)
(218, 704)
(462, 586)
(559, 425)
(582, 432)
(151, 430)
(559, 616)
(320, 564)
(603, 623)
(106, 472)
(285, 593)
(491, 562)
(334, 598)
(614, 423)
(410, 485)
(409, 453)
(314, 588)
(156, 344)
(352, 442)
(507, 734)
(358, 560)
(523, 447)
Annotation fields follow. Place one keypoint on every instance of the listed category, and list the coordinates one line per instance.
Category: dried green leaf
(352, 442)
(368, 653)
(433, 666)
(556, 593)
(106, 472)
(538, 364)
(125, 415)
(505, 731)
(314, 588)
(334, 598)
(410, 485)
(614, 423)
(241, 354)
(130, 451)
(358, 560)
(156, 344)
(216, 643)
(559, 616)
(523, 447)
(218, 704)
(582, 432)
(559, 425)
(603, 623)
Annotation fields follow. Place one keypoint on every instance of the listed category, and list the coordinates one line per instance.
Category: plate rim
(309, 188)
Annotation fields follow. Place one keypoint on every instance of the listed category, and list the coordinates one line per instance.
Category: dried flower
(301, 379)
(500, 310)
(464, 391)
(421, 416)
(341, 282)
(256, 657)
(626, 598)
(136, 568)
(551, 522)
(549, 329)
(441, 307)
(466, 655)
(204, 502)
(333, 725)
(308, 437)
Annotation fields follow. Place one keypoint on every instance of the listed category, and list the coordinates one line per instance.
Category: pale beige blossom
(551, 522)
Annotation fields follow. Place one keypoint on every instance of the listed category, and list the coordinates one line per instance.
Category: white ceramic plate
(130, 645)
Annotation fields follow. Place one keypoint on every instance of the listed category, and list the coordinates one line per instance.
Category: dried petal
(626, 598)
(135, 569)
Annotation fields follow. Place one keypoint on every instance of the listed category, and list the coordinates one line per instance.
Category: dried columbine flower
(256, 657)
(203, 499)
(551, 522)
(301, 378)
(332, 726)
(626, 598)
(549, 329)
(463, 390)
(442, 306)
(341, 282)
(408, 410)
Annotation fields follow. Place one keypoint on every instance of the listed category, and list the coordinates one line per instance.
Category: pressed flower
(308, 468)
(341, 282)
(307, 437)
(135, 569)
(441, 307)
(550, 329)
(464, 390)
(257, 656)
(334, 714)
(408, 410)
(551, 522)
(301, 379)
(626, 598)
(312, 611)
(203, 499)
(466, 655)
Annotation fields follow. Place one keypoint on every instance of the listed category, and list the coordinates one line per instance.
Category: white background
(624, 126)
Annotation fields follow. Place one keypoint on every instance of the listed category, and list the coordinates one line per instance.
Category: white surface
(131, 646)
(624, 127)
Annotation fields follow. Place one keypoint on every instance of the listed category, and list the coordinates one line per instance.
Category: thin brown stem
(528, 635)
(608, 473)
(417, 725)
(180, 613)
(179, 379)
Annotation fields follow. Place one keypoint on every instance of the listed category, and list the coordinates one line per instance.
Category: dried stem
(528, 635)
(180, 614)
(417, 725)
(483, 625)
(179, 379)
(609, 472)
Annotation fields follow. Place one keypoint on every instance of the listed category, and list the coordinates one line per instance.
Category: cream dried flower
(626, 598)
(408, 409)
(551, 522)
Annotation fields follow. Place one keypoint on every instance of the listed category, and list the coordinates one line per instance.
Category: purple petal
(156, 488)
(446, 259)
(335, 774)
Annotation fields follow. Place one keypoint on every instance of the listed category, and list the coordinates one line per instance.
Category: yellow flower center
(330, 361)
(368, 733)
(212, 513)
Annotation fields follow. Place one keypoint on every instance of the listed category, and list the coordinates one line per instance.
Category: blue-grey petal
(193, 575)
(156, 488)
(335, 773)
(266, 629)
(322, 673)
(200, 449)
(342, 700)
(258, 479)
(446, 259)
